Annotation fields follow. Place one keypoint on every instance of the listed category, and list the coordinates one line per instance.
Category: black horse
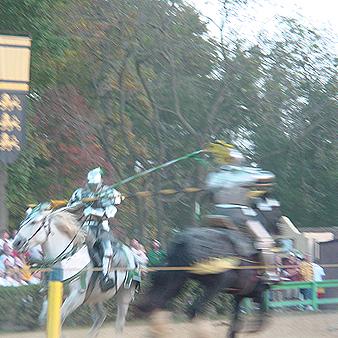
(200, 244)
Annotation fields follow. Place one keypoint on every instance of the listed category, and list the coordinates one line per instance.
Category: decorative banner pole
(14, 86)
(55, 293)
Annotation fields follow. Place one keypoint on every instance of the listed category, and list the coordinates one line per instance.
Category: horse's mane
(67, 223)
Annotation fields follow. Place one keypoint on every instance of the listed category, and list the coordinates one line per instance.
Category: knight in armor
(97, 203)
(241, 197)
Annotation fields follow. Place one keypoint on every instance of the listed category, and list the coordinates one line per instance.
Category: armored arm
(109, 199)
(75, 202)
(114, 196)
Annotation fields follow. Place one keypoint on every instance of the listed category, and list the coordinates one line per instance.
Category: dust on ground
(297, 325)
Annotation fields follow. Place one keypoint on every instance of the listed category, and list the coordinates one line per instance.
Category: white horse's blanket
(74, 264)
(134, 272)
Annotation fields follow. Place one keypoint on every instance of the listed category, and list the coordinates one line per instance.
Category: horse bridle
(45, 225)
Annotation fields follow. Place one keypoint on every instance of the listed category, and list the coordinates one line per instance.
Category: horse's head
(33, 229)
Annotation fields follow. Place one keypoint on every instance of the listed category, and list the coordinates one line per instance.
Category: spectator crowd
(296, 268)
(14, 266)
(154, 257)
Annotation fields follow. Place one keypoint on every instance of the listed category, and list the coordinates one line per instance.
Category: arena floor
(297, 325)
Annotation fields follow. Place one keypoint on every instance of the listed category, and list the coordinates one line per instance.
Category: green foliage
(41, 20)
(142, 81)
(20, 307)
(23, 175)
(26, 301)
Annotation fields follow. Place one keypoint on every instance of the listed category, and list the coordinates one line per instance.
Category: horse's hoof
(231, 334)
(202, 329)
(190, 313)
(159, 324)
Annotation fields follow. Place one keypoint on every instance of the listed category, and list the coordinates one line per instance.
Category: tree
(134, 84)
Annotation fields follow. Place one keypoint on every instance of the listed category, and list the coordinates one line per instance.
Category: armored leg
(107, 281)
(268, 259)
(94, 254)
(264, 243)
(107, 256)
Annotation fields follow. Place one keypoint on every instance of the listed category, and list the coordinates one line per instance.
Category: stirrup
(106, 283)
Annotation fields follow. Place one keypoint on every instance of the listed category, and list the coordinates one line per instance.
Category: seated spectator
(3, 280)
(156, 255)
(306, 271)
(6, 259)
(19, 259)
(318, 275)
(14, 270)
(139, 253)
(13, 234)
(2, 261)
(278, 295)
(14, 279)
(5, 238)
(292, 273)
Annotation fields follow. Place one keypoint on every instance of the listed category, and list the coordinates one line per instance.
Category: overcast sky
(316, 13)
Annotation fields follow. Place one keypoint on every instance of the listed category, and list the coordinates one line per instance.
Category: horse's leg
(43, 312)
(167, 287)
(202, 328)
(98, 312)
(234, 325)
(124, 297)
(259, 322)
(209, 292)
(164, 289)
(72, 302)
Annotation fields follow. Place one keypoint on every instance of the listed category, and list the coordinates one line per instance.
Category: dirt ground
(309, 325)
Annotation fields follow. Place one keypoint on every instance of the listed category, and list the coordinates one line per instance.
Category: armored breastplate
(234, 184)
(236, 195)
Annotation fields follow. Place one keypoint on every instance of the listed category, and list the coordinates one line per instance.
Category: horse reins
(56, 259)
(43, 225)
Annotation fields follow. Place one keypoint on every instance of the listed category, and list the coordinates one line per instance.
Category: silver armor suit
(97, 213)
(233, 188)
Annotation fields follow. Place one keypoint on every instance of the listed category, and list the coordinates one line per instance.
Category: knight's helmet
(233, 182)
(94, 179)
(225, 153)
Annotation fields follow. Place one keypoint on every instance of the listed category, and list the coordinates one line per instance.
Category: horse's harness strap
(43, 225)
(64, 254)
(116, 281)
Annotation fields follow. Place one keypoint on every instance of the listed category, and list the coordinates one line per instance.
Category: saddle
(205, 242)
(218, 221)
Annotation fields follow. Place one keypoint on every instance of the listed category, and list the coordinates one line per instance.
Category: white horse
(59, 234)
